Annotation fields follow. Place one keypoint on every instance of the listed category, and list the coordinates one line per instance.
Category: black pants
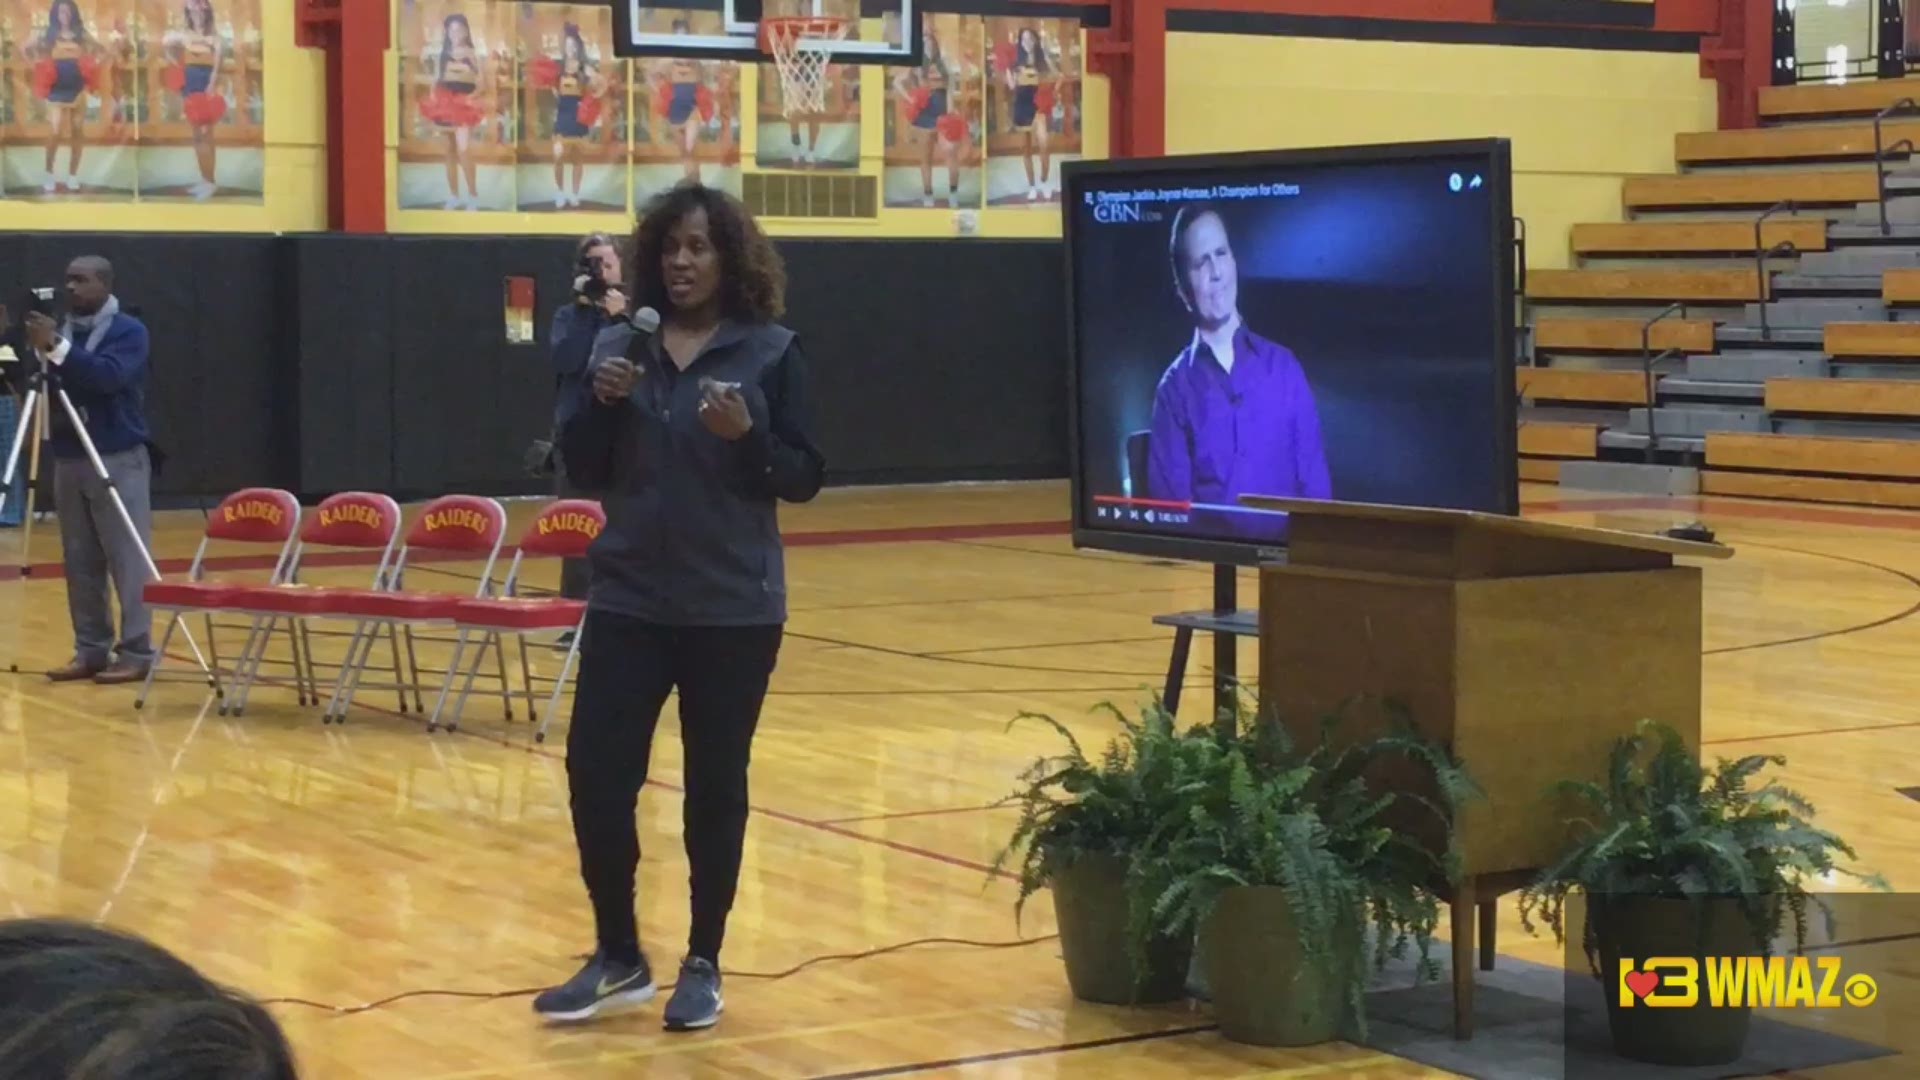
(627, 669)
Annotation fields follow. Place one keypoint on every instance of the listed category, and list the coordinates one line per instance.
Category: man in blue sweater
(99, 356)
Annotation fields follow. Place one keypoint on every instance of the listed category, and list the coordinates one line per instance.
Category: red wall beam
(354, 34)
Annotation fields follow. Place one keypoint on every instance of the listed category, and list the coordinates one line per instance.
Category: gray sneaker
(601, 986)
(696, 1000)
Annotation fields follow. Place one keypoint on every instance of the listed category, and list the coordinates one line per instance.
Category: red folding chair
(452, 525)
(564, 529)
(350, 524)
(250, 517)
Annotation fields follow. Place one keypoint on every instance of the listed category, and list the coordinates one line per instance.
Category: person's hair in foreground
(79, 1002)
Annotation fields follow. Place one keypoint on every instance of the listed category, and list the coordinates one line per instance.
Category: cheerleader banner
(458, 105)
(686, 112)
(573, 103)
(73, 105)
(1033, 118)
(203, 127)
(934, 117)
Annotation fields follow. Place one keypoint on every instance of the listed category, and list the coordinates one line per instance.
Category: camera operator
(98, 354)
(597, 302)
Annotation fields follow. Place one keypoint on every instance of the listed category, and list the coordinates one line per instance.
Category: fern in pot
(1674, 859)
(1286, 861)
(1085, 833)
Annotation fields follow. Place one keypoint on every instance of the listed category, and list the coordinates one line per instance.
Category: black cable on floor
(498, 995)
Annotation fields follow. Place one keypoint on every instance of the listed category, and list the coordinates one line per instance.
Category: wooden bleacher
(1822, 383)
(1623, 335)
(1693, 237)
(1824, 101)
(1755, 190)
(1577, 385)
(1641, 285)
(1845, 397)
(1752, 146)
(1875, 340)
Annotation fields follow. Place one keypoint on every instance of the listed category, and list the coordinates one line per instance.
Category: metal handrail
(1647, 360)
(1880, 152)
(1526, 307)
(1653, 435)
(1761, 254)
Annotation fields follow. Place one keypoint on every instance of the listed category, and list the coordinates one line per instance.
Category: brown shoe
(74, 672)
(124, 671)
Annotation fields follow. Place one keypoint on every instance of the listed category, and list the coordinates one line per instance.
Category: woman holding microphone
(692, 434)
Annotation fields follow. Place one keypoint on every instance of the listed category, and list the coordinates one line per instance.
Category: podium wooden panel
(1526, 646)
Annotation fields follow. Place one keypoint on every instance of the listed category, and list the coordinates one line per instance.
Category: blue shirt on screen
(1219, 434)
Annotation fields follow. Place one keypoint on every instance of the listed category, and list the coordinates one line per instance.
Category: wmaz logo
(1759, 982)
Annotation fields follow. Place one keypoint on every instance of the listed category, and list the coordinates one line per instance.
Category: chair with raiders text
(564, 529)
(451, 526)
(251, 518)
(349, 526)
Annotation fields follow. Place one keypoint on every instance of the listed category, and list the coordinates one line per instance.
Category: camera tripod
(43, 387)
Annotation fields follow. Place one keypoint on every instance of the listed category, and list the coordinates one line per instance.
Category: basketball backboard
(880, 31)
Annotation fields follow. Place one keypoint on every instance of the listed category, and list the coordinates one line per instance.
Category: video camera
(589, 279)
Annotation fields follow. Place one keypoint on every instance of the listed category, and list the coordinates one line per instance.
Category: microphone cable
(501, 995)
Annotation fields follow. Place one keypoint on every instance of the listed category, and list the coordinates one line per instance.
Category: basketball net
(801, 48)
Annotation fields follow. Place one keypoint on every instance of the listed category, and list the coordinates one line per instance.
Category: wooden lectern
(1527, 647)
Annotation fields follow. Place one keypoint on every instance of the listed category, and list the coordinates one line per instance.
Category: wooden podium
(1527, 647)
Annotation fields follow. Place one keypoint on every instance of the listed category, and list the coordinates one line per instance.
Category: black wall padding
(210, 304)
(934, 359)
(328, 362)
(344, 363)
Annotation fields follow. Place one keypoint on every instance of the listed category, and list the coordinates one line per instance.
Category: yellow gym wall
(892, 222)
(1580, 119)
(295, 197)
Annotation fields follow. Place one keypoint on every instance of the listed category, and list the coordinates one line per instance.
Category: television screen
(1327, 324)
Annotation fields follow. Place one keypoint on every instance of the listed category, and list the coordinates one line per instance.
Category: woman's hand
(724, 411)
(613, 380)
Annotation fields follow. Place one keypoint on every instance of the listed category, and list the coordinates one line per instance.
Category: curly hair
(753, 280)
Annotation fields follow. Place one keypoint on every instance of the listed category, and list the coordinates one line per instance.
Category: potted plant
(1285, 860)
(1084, 832)
(1673, 859)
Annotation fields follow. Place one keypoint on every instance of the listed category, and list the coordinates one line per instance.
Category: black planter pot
(1637, 927)
(1090, 905)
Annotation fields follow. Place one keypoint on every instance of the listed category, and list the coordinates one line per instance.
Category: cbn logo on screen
(1117, 213)
(1759, 982)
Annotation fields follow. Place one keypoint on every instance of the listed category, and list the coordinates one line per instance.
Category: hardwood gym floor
(346, 864)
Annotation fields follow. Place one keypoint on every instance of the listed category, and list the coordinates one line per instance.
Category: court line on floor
(943, 653)
(1014, 1055)
(937, 812)
(1824, 634)
(778, 815)
(910, 654)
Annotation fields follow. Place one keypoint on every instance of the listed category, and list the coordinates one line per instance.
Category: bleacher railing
(1647, 362)
(1881, 152)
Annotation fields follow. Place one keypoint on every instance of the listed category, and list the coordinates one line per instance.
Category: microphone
(646, 320)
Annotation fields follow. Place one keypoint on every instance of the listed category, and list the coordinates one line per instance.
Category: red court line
(932, 533)
(820, 538)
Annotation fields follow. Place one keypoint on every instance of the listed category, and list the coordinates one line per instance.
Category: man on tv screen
(1233, 414)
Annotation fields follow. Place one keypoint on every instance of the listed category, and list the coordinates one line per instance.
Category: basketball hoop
(800, 48)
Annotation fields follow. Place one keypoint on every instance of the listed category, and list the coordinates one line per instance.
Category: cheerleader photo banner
(125, 100)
